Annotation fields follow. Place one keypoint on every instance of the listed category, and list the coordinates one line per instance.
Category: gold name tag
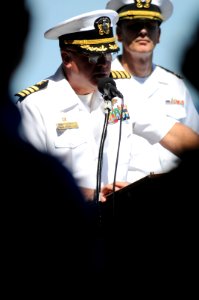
(67, 125)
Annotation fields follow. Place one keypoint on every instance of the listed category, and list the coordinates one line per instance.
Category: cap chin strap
(134, 14)
(90, 42)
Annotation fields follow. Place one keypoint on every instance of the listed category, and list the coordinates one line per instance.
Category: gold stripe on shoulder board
(120, 74)
(32, 89)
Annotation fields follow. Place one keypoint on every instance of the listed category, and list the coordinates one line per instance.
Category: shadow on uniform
(190, 59)
(152, 243)
(48, 235)
(146, 242)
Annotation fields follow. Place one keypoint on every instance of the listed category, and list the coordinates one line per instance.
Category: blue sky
(42, 57)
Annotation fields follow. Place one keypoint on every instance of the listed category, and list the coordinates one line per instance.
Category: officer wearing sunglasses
(64, 114)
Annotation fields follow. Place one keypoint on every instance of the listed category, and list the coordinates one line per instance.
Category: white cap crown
(159, 10)
(91, 31)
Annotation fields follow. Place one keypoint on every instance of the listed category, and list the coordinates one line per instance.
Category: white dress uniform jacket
(57, 121)
(162, 96)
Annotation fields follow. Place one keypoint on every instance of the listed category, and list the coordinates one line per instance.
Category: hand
(108, 188)
(87, 193)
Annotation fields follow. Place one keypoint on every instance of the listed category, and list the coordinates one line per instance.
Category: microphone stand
(118, 150)
(107, 109)
(109, 91)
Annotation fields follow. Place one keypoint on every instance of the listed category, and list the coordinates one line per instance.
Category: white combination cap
(91, 31)
(159, 10)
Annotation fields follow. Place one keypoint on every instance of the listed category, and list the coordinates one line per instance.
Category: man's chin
(102, 75)
(97, 78)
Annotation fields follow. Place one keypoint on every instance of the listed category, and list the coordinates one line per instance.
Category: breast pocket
(71, 138)
(175, 111)
(71, 148)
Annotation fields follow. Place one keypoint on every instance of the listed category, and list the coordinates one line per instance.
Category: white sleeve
(192, 117)
(32, 128)
(151, 125)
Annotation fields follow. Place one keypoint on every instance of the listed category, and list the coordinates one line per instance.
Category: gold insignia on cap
(141, 3)
(34, 88)
(98, 38)
(120, 75)
(103, 25)
(141, 9)
(102, 48)
(88, 42)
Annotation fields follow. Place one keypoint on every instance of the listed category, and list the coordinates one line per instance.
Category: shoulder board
(120, 75)
(178, 75)
(32, 89)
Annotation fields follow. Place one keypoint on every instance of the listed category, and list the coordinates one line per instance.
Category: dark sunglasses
(94, 58)
(138, 25)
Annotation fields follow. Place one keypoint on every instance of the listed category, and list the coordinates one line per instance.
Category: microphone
(107, 87)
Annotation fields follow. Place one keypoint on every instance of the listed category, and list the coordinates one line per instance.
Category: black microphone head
(104, 82)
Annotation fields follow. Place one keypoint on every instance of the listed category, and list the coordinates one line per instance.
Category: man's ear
(65, 57)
